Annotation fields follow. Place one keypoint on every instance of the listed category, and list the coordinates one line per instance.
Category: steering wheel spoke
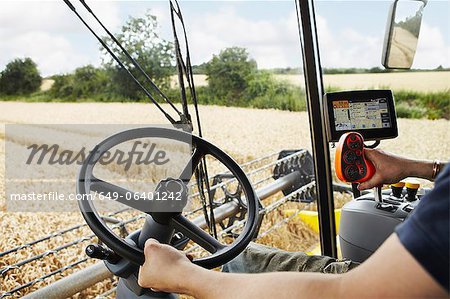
(117, 193)
(192, 165)
(196, 234)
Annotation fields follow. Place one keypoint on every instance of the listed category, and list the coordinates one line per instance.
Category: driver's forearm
(421, 169)
(210, 284)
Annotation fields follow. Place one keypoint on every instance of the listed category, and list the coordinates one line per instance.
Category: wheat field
(245, 134)
(413, 81)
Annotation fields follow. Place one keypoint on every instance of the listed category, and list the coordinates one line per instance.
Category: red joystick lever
(350, 164)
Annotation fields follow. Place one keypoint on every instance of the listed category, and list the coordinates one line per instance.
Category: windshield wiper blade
(184, 67)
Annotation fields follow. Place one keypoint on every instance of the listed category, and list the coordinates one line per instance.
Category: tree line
(232, 75)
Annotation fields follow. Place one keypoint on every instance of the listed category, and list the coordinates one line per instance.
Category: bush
(20, 77)
(62, 87)
(434, 105)
(228, 74)
(264, 91)
(404, 110)
(262, 83)
(86, 82)
(89, 81)
(437, 104)
(291, 102)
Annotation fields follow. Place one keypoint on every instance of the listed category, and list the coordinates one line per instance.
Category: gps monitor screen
(368, 112)
(360, 115)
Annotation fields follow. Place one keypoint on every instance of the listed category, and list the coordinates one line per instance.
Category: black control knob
(355, 145)
(350, 157)
(397, 189)
(97, 251)
(411, 189)
(352, 172)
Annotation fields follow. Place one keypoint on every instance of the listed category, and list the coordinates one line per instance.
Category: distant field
(415, 81)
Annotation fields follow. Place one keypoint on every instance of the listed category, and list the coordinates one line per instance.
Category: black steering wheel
(220, 254)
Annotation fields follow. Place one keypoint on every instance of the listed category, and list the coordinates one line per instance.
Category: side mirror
(402, 33)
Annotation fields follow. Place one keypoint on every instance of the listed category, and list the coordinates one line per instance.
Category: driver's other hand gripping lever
(350, 162)
(97, 251)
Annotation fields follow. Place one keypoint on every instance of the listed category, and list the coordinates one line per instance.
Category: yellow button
(398, 185)
(412, 184)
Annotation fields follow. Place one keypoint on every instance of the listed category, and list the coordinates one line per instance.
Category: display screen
(361, 115)
(368, 112)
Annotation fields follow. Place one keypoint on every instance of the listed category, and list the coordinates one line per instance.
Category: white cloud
(347, 48)
(52, 53)
(48, 33)
(352, 48)
(276, 43)
(271, 44)
(17, 17)
(51, 34)
(431, 49)
(53, 16)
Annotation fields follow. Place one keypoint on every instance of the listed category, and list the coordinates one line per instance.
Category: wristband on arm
(436, 169)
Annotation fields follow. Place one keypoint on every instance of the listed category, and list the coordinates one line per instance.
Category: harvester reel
(229, 196)
(303, 164)
(220, 254)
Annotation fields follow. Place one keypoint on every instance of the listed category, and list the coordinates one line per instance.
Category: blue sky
(350, 32)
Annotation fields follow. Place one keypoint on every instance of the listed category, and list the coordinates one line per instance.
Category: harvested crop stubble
(245, 134)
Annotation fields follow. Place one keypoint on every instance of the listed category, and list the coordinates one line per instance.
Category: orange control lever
(350, 163)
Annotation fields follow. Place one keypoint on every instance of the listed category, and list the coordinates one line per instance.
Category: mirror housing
(402, 33)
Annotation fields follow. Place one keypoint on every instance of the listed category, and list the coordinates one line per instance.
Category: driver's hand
(165, 268)
(389, 168)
